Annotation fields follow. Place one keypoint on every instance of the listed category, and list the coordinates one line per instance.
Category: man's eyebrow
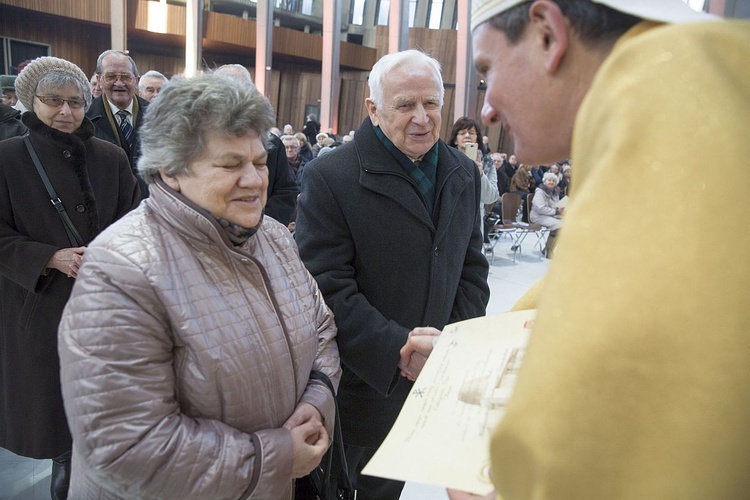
(403, 100)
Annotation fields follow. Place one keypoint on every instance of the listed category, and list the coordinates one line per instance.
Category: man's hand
(67, 261)
(309, 444)
(462, 495)
(417, 349)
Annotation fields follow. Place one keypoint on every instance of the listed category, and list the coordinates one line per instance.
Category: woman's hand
(309, 444)
(305, 412)
(67, 261)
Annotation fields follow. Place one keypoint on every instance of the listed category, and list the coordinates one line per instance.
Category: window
(412, 12)
(435, 16)
(14, 52)
(383, 8)
(357, 12)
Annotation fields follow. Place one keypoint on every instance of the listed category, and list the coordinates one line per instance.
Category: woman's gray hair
(409, 58)
(550, 175)
(176, 126)
(55, 80)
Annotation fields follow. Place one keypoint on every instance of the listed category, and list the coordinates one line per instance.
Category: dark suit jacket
(282, 190)
(104, 129)
(384, 267)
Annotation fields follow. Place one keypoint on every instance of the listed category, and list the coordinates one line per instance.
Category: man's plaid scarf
(423, 173)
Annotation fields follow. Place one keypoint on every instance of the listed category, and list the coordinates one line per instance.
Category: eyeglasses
(467, 131)
(57, 102)
(111, 78)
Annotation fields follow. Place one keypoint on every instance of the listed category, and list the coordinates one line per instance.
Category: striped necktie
(125, 127)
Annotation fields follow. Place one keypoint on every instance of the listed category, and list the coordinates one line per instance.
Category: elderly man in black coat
(388, 225)
(118, 113)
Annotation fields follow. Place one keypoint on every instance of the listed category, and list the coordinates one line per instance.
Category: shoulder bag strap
(338, 438)
(73, 236)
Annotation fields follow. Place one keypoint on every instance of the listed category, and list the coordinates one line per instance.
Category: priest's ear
(551, 28)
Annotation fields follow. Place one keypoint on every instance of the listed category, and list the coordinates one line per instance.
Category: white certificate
(441, 436)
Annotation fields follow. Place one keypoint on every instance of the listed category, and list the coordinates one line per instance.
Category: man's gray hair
(119, 53)
(234, 71)
(290, 137)
(409, 58)
(152, 73)
(177, 126)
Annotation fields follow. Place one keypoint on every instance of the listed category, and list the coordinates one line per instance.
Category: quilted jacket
(183, 355)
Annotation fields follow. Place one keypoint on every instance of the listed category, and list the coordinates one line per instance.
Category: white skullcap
(668, 11)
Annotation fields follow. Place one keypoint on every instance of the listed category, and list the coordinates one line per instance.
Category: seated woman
(40, 255)
(188, 342)
(544, 210)
(521, 181)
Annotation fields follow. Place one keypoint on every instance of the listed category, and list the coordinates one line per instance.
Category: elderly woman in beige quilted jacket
(187, 344)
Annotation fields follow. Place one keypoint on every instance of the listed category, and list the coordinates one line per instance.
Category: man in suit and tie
(117, 114)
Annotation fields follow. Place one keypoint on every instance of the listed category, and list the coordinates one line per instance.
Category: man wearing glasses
(117, 113)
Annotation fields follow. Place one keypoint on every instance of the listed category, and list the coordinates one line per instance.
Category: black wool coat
(94, 181)
(282, 188)
(384, 267)
(10, 122)
(105, 127)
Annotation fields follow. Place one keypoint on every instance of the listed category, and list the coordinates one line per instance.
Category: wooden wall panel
(440, 44)
(230, 29)
(95, 11)
(176, 17)
(78, 42)
(352, 97)
(309, 95)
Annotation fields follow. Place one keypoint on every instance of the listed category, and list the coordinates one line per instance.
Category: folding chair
(516, 230)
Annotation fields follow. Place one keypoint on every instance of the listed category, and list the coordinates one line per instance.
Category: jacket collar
(381, 173)
(84, 132)
(100, 109)
(187, 218)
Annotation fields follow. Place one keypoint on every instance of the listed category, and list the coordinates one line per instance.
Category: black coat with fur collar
(94, 181)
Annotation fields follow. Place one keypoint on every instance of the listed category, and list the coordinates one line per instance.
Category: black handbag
(320, 484)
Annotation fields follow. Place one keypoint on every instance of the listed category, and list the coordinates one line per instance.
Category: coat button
(437, 251)
(80, 209)
(66, 154)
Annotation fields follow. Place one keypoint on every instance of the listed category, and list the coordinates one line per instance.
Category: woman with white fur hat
(41, 252)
